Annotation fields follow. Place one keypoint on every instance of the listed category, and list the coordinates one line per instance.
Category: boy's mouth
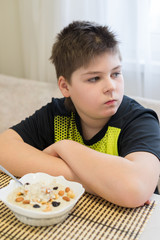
(110, 102)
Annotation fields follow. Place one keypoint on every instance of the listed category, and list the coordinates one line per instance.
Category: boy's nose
(109, 85)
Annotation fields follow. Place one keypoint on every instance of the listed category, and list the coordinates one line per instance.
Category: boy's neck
(90, 129)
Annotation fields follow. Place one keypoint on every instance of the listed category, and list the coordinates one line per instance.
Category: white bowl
(37, 218)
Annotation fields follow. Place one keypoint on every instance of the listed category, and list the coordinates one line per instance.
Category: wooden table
(91, 218)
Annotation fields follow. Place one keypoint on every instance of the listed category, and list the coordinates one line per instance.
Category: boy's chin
(111, 113)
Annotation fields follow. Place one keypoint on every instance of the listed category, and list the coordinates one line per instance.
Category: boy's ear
(63, 86)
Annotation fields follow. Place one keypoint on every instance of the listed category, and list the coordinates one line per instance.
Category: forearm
(94, 170)
(114, 178)
(20, 158)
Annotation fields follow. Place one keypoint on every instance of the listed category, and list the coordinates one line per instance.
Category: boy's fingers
(146, 203)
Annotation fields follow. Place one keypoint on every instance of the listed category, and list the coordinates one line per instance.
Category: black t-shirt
(134, 127)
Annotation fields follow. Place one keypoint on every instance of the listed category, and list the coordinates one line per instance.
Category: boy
(94, 135)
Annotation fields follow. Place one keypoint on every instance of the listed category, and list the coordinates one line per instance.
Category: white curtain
(133, 21)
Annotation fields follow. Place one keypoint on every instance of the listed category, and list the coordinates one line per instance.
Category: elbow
(132, 195)
(136, 195)
(133, 201)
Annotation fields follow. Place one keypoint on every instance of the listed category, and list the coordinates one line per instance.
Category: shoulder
(59, 108)
(129, 105)
(37, 129)
(130, 110)
(139, 128)
(55, 107)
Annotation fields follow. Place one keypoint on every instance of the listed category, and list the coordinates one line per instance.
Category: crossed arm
(128, 181)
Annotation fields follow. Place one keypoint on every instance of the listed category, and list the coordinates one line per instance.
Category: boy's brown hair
(77, 44)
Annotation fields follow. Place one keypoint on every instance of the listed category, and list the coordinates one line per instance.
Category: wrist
(66, 148)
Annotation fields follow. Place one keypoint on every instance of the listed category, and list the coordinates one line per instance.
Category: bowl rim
(33, 177)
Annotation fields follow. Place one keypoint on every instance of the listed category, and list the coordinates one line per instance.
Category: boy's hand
(146, 203)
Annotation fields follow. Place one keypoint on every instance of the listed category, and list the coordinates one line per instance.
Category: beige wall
(10, 48)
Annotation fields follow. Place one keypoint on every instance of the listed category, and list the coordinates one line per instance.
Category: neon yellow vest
(65, 128)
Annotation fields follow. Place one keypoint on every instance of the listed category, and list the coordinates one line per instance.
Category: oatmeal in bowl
(42, 199)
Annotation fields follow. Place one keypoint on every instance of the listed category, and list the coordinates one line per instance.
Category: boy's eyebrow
(119, 66)
(88, 73)
(92, 72)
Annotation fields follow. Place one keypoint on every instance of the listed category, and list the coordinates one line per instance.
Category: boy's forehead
(100, 65)
(107, 60)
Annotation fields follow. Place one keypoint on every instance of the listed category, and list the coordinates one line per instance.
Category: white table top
(152, 228)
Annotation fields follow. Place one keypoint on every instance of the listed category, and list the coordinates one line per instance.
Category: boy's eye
(94, 79)
(116, 74)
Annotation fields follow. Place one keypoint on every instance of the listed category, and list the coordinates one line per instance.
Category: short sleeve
(141, 134)
(37, 130)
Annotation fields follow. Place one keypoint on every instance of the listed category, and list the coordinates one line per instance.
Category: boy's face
(97, 90)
